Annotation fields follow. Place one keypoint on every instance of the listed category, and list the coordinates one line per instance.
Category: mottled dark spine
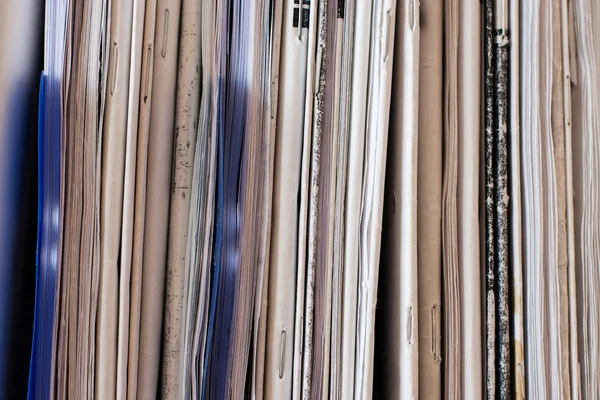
(301, 13)
(490, 197)
(502, 199)
(341, 7)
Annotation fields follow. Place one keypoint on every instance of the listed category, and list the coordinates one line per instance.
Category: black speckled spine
(501, 49)
(490, 198)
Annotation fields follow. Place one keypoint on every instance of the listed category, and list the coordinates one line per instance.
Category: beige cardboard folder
(569, 73)
(515, 210)
(452, 326)
(558, 126)
(127, 230)
(160, 149)
(429, 196)
(113, 169)
(260, 318)
(139, 219)
(186, 127)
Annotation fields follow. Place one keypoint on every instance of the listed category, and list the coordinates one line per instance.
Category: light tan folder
(113, 169)
(569, 60)
(160, 150)
(429, 196)
(84, 83)
(584, 56)
(139, 220)
(558, 132)
(261, 316)
(127, 230)
(450, 265)
(186, 127)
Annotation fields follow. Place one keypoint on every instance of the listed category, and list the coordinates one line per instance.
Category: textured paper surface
(540, 213)
(569, 75)
(558, 144)
(316, 270)
(81, 141)
(585, 168)
(452, 325)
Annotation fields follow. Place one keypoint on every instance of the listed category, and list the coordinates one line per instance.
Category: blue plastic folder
(49, 145)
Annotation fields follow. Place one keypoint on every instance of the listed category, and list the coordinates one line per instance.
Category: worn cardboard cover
(429, 196)
(129, 191)
(186, 128)
(113, 171)
(160, 150)
(139, 219)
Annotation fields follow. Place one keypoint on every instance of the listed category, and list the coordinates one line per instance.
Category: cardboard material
(429, 195)
(158, 188)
